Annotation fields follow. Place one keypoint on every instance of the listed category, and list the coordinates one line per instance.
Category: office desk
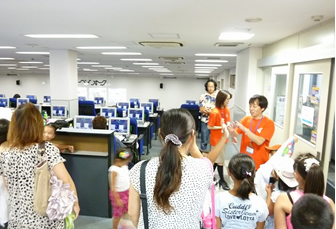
(88, 167)
(144, 128)
(154, 118)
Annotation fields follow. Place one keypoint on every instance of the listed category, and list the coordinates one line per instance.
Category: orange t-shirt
(265, 130)
(215, 118)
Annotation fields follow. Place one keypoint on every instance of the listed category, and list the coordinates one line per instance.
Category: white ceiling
(196, 24)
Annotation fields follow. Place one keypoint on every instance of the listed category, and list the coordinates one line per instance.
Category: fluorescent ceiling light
(212, 61)
(122, 53)
(215, 65)
(29, 67)
(61, 36)
(32, 53)
(11, 67)
(202, 74)
(22, 69)
(202, 71)
(213, 54)
(101, 66)
(113, 68)
(6, 58)
(101, 47)
(44, 68)
(136, 59)
(8, 65)
(90, 70)
(166, 74)
(87, 63)
(7, 47)
(145, 63)
(126, 70)
(207, 67)
(235, 36)
(31, 62)
(152, 66)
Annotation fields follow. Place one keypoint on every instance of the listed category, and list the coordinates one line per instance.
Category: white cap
(283, 166)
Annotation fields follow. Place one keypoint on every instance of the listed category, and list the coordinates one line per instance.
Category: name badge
(249, 150)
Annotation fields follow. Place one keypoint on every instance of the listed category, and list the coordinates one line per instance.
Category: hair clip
(309, 162)
(249, 174)
(124, 155)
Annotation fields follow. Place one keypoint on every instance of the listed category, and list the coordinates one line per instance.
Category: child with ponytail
(240, 207)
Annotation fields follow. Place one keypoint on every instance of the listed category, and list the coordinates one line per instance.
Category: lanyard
(257, 125)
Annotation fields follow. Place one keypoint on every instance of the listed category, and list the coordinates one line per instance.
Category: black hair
(283, 186)
(124, 154)
(55, 126)
(16, 96)
(242, 168)
(314, 177)
(210, 81)
(262, 101)
(4, 125)
(178, 122)
(312, 212)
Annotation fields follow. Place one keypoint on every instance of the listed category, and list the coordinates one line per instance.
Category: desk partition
(88, 167)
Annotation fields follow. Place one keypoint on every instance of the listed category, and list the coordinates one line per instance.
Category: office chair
(134, 125)
(151, 126)
(86, 108)
(33, 101)
(120, 112)
(12, 102)
(194, 111)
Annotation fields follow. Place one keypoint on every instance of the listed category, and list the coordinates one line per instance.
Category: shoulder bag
(143, 195)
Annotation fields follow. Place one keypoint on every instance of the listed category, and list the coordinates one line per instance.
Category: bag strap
(290, 197)
(212, 194)
(41, 148)
(143, 195)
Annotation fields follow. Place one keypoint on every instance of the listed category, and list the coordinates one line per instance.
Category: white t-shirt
(236, 213)
(122, 182)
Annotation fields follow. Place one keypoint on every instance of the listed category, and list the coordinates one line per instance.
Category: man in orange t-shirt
(257, 131)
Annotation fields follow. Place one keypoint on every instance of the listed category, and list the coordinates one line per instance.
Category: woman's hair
(283, 186)
(310, 169)
(220, 98)
(4, 124)
(55, 126)
(123, 154)
(99, 122)
(242, 168)
(26, 126)
(180, 123)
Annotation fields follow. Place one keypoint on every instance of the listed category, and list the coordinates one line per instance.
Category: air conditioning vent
(171, 58)
(228, 44)
(161, 44)
(12, 74)
(172, 77)
(173, 62)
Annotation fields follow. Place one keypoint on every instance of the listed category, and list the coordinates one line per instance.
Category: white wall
(172, 95)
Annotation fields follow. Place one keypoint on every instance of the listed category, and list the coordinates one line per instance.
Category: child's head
(49, 132)
(222, 98)
(283, 169)
(308, 172)
(4, 124)
(242, 168)
(99, 122)
(312, 212)
(123, 155)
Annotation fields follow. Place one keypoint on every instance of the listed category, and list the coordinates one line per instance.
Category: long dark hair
(168, 177)
(242, 167)
(314, 177)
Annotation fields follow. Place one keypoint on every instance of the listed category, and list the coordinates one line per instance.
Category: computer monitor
(108, 112)
(99, 100)
(47, 99)
(137, 113)
(148, 106)
(2, 96)
(135, 102)
(83, 122)
(123, 105)
(59, 112)
(120, 125)
(191, 102)
(20, 101)
(38, 106)
(31, 96)
(4, 102)
(81, 98)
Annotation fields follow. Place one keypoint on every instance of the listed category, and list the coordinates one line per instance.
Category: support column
(64, 79)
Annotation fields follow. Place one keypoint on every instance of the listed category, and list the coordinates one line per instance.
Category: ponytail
(314, 181)
(245, 188)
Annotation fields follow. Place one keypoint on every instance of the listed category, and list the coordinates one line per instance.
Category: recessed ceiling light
(122, 53)
(31, 62)
(29, 67)
(102, 66)
(136, 59)
(61, 36)
(235, 36)
(212, 61)
(6, 58)
(202, 74)
(8, 65)
(87, 63)
(145, 63)
(101, 47)
(7, 47)
(216, 65)
(213, 54)
(207, 67)
(126, 70)
(32, 53)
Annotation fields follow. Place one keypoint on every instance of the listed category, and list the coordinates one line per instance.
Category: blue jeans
(205, 133)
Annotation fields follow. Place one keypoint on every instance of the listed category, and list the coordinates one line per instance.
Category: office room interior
(167, 50)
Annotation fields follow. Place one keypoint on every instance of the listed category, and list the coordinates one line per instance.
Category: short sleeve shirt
(236, 213)
(215, 119)
(187, 201)
(265, 130)
(208, 101)
(122, 182)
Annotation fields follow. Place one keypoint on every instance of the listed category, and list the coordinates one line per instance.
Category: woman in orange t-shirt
(219, 115)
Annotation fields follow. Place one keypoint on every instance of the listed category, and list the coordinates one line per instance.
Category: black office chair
(194, 111)
(86, 108)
